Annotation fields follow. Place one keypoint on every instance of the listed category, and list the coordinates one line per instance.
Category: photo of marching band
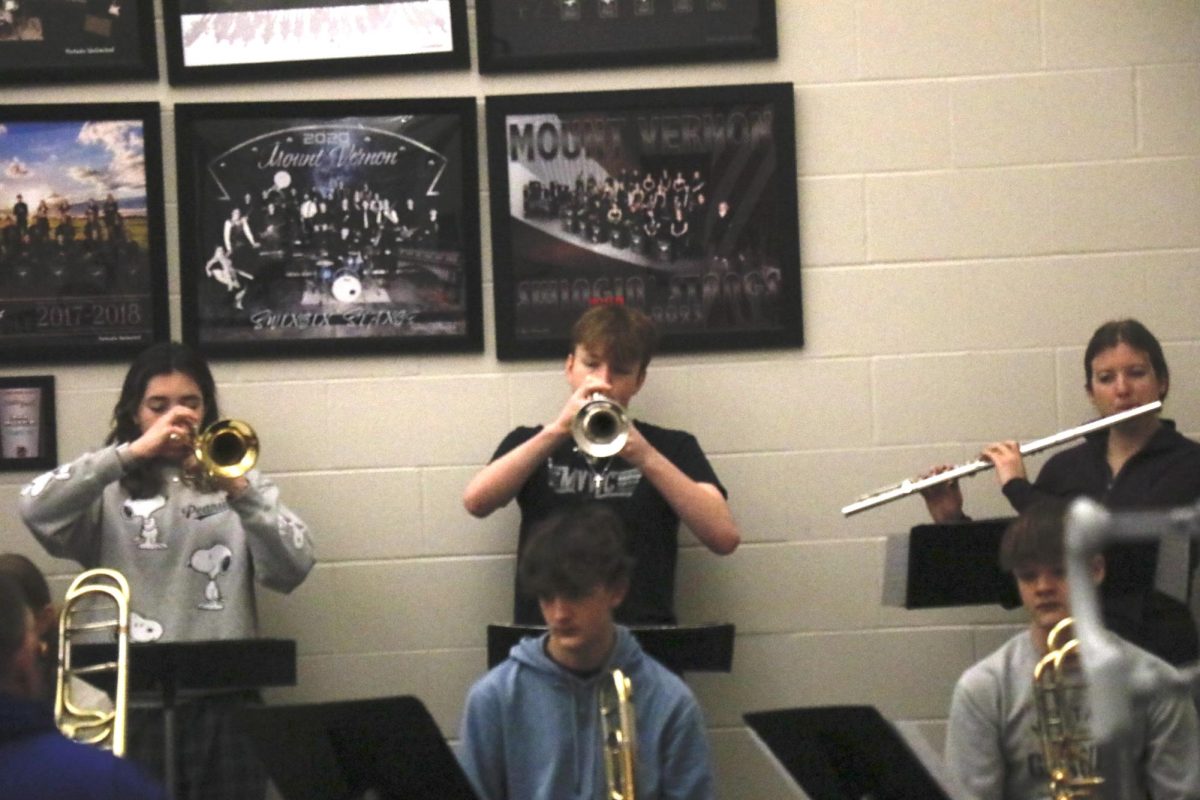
(682, 212)
(76, 238)
(310, 230)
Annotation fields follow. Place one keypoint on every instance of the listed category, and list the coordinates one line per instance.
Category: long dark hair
(1134, 334)
(158, 359)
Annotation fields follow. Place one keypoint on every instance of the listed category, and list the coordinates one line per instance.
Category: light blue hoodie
(531, 729)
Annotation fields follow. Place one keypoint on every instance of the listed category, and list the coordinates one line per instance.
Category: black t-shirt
(567, 478)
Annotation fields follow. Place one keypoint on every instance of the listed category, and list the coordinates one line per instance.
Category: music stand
(679, 648)
(845, 753)
(954, 564)
(337, 751)
(168, 669)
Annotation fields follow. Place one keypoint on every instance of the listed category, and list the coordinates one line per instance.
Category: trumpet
(92, 725)
(1058, 693)
(228, 448)
(910, 485)
(618, 737)
(600, 427)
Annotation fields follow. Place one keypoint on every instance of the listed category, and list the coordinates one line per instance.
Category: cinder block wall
(981, 183)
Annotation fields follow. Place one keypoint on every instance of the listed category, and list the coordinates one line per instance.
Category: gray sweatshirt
(191, 558)
(993, 749)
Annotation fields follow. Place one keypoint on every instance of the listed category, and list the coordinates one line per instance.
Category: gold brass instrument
(618, 736)
(228, 448)
(92, 725)
(1058, 693)
(911, 485)
(600, 427)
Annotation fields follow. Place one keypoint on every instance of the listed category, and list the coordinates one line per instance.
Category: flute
(910, 485)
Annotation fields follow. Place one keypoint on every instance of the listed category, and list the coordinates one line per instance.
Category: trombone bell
(600, 428)
(228, 448)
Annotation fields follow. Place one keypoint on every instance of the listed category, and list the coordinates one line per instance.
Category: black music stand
(679, 648)
(390, 746)
(955, 564)
(845, 753)
(167, 669)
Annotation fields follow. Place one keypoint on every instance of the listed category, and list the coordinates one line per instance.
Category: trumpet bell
(228, 448)
(600, 428)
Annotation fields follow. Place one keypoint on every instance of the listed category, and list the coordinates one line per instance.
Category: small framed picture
(82, 263)
(561, 34)
(252, 40)
(27, 429)
(680, 202)
(59, 41)
(329, 227)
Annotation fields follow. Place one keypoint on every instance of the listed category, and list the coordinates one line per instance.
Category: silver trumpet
(911, 485)
(600, 427)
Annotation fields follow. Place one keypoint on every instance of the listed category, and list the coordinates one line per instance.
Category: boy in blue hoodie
(36, 761)
(531, 728)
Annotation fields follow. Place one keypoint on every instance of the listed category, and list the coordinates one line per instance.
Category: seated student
(992, 744)
(531, 729)
(36, 593)
(660, 477)
(36, 761)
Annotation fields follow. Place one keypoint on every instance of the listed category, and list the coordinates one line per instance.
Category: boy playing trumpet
(658, 479)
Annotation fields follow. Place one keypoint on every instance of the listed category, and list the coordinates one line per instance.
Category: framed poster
(541, 34)
(329, 227)
(28, 439)
(249, 40)
(82, 265)
(56, 41)
(681, 202)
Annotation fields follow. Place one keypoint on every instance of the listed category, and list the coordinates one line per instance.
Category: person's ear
(616, 594)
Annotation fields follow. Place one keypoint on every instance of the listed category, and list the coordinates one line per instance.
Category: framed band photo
(82, 261)
(329, 227)
(562, 34)
(252, 40)
(28, 439)
(59, 41)
(680, 202)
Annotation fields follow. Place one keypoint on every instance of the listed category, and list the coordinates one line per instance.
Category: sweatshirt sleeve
(1172, 741)
(974, 754)
(62, 507)
(687, 763)
(278, 539)
(481, 747)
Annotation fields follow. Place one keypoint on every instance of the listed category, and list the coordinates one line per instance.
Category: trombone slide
(910, 485)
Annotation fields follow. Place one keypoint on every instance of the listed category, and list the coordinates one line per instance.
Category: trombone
(910, 485)
(94, 726)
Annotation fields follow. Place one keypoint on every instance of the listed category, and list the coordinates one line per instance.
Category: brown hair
(616, 333)
(1035, 537)
(573, 551)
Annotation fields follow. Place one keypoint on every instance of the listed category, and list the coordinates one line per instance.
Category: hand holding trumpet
(215, 459)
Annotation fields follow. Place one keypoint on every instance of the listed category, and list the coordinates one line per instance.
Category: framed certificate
(28, 438)
(82, 265)
(329, 227)
(59, 41)
(681, 202)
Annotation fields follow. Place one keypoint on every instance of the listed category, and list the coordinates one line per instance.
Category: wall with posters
(980, 185)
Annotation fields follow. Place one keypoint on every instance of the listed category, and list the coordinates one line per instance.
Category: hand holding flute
(945, 500)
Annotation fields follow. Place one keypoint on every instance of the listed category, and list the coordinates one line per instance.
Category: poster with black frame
(28, 433)
(57, 41)
(563, 34)
(680, 202)
(82, 268)
(252, 40)
(329, 227)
